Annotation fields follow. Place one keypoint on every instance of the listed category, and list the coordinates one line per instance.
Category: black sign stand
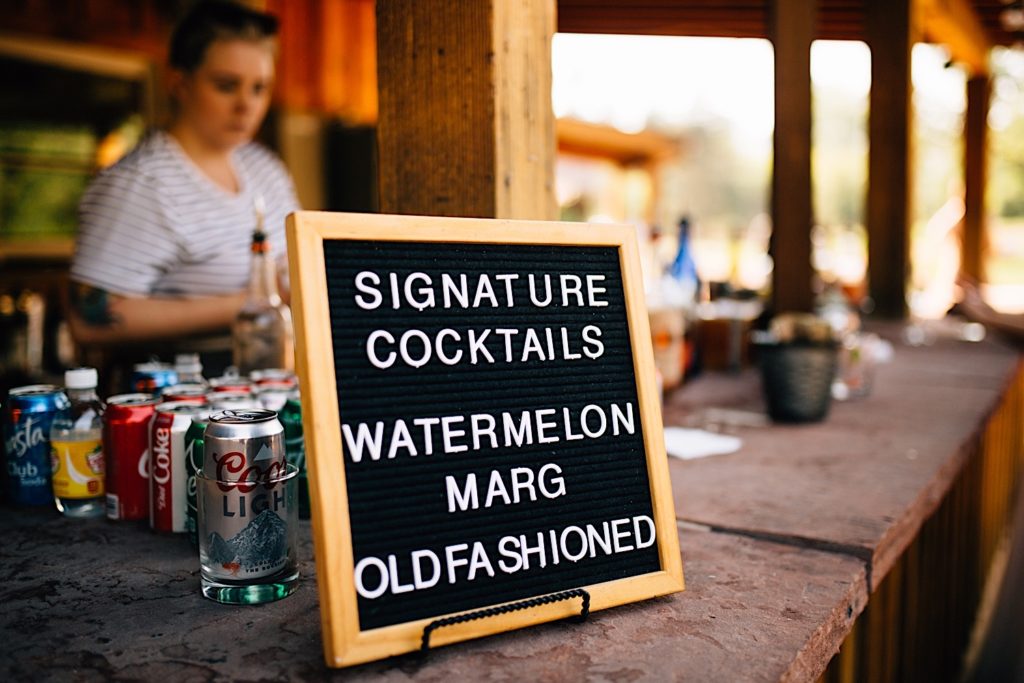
(505, 609)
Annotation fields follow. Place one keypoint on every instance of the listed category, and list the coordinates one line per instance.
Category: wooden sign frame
(344, 643)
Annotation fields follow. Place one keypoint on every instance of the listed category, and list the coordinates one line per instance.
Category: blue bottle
(683, 269)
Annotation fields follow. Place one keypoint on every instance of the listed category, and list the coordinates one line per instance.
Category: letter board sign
(482, 424)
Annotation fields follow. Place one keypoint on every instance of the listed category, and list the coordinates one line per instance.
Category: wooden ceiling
(837, 19)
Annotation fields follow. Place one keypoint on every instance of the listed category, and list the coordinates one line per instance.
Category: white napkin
(697, 443)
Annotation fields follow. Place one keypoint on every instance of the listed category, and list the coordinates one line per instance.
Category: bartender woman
(164, 234)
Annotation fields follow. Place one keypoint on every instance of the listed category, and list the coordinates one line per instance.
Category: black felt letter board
(400, 505)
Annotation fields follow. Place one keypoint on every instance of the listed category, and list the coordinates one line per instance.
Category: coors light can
(244, 513)
(168, 476)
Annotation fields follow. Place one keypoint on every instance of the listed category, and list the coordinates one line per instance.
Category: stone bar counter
(869, 535)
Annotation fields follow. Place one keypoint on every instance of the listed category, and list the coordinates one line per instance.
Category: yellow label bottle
(77, 469)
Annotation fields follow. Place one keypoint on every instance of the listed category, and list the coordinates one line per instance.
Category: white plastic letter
(375, 299)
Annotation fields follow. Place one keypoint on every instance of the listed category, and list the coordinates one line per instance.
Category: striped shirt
(154, 224)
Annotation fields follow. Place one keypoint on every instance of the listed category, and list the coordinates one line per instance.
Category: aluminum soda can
(168, 478)
(192, 393)
(295, 447)
(272, 395)
(278, 376)
(232, 400)
(233, 383)
(193, 463)
(126, 426)
(27, 420)
(151, 377)
(245, 507)
(244, 445)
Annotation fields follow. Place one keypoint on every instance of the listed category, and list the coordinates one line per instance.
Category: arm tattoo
(92, 303)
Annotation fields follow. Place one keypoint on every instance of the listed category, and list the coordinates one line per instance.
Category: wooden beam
(466, 126)
(956, 24)
(975, 162)
(792, 24)
(605, 142)
(525, 121)
(891, 30)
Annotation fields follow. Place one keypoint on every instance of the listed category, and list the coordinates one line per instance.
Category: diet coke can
(168, 476)
(245, 510)
(126, 425)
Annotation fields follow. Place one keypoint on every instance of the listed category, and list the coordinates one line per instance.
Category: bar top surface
(779, 541)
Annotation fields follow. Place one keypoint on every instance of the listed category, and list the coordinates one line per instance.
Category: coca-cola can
(168, 472)
(191, 393)
(244, 513)
(126, 426)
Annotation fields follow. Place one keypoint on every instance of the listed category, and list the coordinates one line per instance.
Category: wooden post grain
(792, 26)
(890, 32)
(975, 161)
(466, 126)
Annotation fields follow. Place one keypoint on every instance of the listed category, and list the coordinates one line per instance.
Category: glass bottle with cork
(76, 448)
(262, 332)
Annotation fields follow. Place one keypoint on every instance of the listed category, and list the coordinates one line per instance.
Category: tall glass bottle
(262, 333)
(76, 448)
(683, 272)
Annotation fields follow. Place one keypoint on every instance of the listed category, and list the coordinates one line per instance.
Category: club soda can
(126, 426)
(194, 463)
(152, 377)
(168, 477)
(27, 420)
(244, 512)
(295, 447)
(191, 393)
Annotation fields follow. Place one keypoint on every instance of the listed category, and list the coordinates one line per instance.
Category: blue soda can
(30, 412)
(150, 378)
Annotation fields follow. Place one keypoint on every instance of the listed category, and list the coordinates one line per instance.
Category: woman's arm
(98, 318)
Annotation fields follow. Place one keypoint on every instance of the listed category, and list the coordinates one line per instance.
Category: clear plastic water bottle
(189, 368)
(77, 450)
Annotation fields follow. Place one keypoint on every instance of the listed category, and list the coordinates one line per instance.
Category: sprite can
(295, 447)
(193, 462)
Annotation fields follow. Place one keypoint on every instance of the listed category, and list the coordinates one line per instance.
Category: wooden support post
(890, 31)
(975, 161)
(466, 126)
(792, 32)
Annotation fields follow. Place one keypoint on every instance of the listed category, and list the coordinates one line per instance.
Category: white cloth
(697, 443)
(154, 224)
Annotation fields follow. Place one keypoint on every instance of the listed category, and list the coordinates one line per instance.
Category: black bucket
(797, 380)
